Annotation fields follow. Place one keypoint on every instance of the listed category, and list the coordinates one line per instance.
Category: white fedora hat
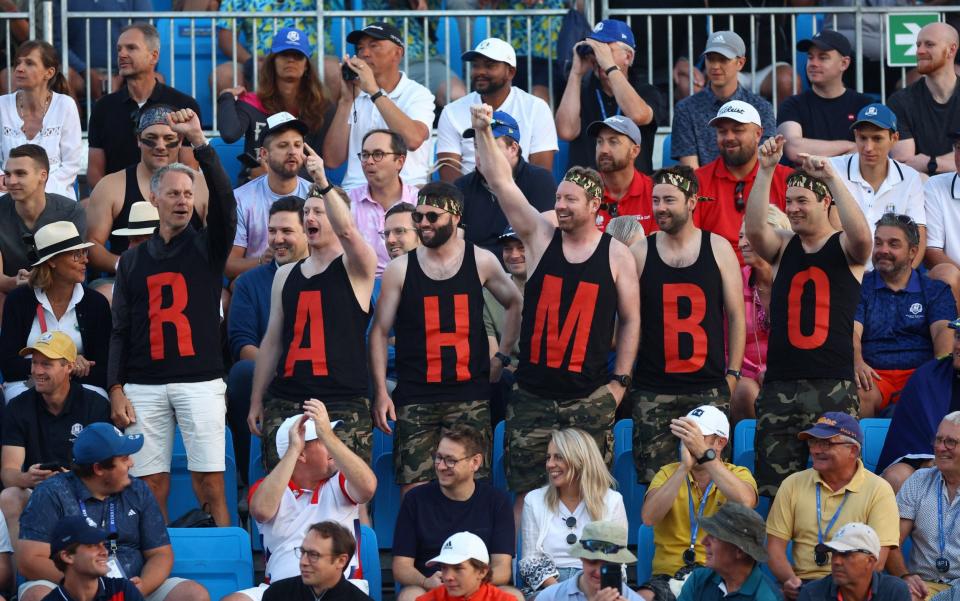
(55, 238)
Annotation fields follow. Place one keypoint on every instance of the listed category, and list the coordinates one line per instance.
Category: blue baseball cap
(101, 441)
(831, 424)
(877, 114)
(503, 125)
(508, 234)
(74, 529)
(612, 30)
(291, 38)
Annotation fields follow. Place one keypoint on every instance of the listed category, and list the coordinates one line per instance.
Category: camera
(584, 50)
(347, 73)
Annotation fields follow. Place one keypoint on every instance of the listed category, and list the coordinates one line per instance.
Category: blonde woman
(579, 491)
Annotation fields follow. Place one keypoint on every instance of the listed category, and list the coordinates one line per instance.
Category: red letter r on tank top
(579, 317)
(173, 314)
(459, 338)
(820, 290)
(309, 311)
(674, 326)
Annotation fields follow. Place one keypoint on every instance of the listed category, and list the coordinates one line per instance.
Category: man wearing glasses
(726, 181)
(602, 549)
(433, 300)
(813, 505)
(382, 158)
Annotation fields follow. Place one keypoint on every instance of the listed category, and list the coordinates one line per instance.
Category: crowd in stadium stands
(798, 268)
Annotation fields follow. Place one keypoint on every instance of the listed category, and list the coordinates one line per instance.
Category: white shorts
(256, 593)
(199, 408)
(158, 595)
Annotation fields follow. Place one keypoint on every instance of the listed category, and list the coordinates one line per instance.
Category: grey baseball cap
(727, 43)
(619, 124)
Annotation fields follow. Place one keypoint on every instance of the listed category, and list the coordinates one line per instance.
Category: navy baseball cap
(508, 234)
(834, 423)
(827, 40)
(612, 30)
(877, 114)
(379, 30)
(101, 441)
(291, 38)
(503, 125)
(74, 529)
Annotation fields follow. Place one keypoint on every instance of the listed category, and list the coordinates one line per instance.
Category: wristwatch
(708, 455)
(734, 372)
(376, 95)
(623, 379)
(504, 359)
(932, 166)
(610, 70)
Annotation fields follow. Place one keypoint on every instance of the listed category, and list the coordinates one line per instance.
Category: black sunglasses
(150, 143)
(738, 203)
(600, 546)
(571, 522)
(431, 216)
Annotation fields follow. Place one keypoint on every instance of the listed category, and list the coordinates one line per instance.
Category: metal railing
(6, 27)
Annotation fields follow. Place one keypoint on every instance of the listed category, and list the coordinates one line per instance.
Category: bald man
(929, 108)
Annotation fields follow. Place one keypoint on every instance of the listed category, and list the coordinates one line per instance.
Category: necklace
(21, 110)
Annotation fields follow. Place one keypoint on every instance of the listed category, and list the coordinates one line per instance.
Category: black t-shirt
(595, 105)
(427, 518)
(293, 589)
(113, 123)
(823, 118)
(920, 117)
(46, 437)
(483, 218)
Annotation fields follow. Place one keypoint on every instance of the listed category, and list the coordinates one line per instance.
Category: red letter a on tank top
(674, 326)
(579, 317)
(459, 338)
(173, 314)
(820, 290)
(309, 311)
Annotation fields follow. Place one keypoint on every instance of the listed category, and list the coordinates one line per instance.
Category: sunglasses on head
(430, 216)
(600, 546)
(151, 143)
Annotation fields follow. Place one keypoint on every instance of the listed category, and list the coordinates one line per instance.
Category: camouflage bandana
(802, 180)
(674, 179)
(589, 186)
(446, 203)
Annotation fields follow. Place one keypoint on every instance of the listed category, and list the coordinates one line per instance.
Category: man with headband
(815, 295)
(691, 301)
(111, 199)
(580, 295)
(432, 298)
(320, 308)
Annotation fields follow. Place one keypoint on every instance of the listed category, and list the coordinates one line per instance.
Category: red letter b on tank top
(172, 314)
(309, 312)
(579, 317)
(459, 338)
(816, 283)
(674, 326)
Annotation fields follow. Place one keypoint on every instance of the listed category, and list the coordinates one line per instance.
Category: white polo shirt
(942, 194)
(417, 103)
(299, 508)
(538, 133)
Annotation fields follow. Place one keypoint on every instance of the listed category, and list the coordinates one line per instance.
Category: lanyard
(41, 319)
(112, 510)
(941, 534)
(695, 518)
(603, 109)
(833, 520)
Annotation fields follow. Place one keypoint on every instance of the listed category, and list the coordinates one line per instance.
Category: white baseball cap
(855, 536)
(495, 49)
(283, 432)
(461, 547)
(711, 421)
(738, 110)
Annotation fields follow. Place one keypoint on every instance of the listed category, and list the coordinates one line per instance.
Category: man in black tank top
(432, 298)
(580, 283)
(689, 279)
(114, 194)
(816, 289)
(314, 346)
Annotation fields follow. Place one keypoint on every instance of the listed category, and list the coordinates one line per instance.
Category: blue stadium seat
(228, 154)
(181, 497)
(665, 159)
(255, 471)
(561, 159)
(386, 503)
(874, 433)
(644, 553)
(743, 436)
(189, 76)
(382, 443)
(625, 473)
(499, 470)
(218, 558)
(370, 560)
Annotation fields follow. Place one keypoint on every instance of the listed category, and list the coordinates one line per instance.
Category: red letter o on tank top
(815, 277)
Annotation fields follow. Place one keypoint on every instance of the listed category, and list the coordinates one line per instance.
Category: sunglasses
(599, 546)
(738, 203)
(151, 143)
(571, 523)
(430, 216)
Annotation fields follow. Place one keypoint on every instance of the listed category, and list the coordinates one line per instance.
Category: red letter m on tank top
(547, 323)
(813, 283)
(674, 326)
(309, 314)
(172, 314)
(459, 338)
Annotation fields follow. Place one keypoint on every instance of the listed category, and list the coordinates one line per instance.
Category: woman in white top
(579, 491)
(41, 111)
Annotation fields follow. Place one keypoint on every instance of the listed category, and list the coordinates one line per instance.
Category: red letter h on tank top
(579, 316)
(459, 338)
(309, 310)
(674, 326)
(173, 314)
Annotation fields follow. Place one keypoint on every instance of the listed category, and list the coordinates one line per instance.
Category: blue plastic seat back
(874, 434)
(182, 498)
(625, 473)
(644, 553)
(370, 560)
(218, 558)
(386, 503)
(743, 436)
(666, 160)
(228, 154)
(190, 76)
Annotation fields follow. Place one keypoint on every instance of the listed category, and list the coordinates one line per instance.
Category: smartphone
(611, 576)
(347, 73)
(51, 466)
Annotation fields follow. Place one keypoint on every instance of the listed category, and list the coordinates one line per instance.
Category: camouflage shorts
(356, 431)
(417, 434)
(786, 408)
(530, 421)
(654, 446)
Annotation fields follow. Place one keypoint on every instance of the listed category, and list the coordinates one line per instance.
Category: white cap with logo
(461, 547)
(738, 110)
(711, 421)
(855, 536)
(495, 49)
(283, 432)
